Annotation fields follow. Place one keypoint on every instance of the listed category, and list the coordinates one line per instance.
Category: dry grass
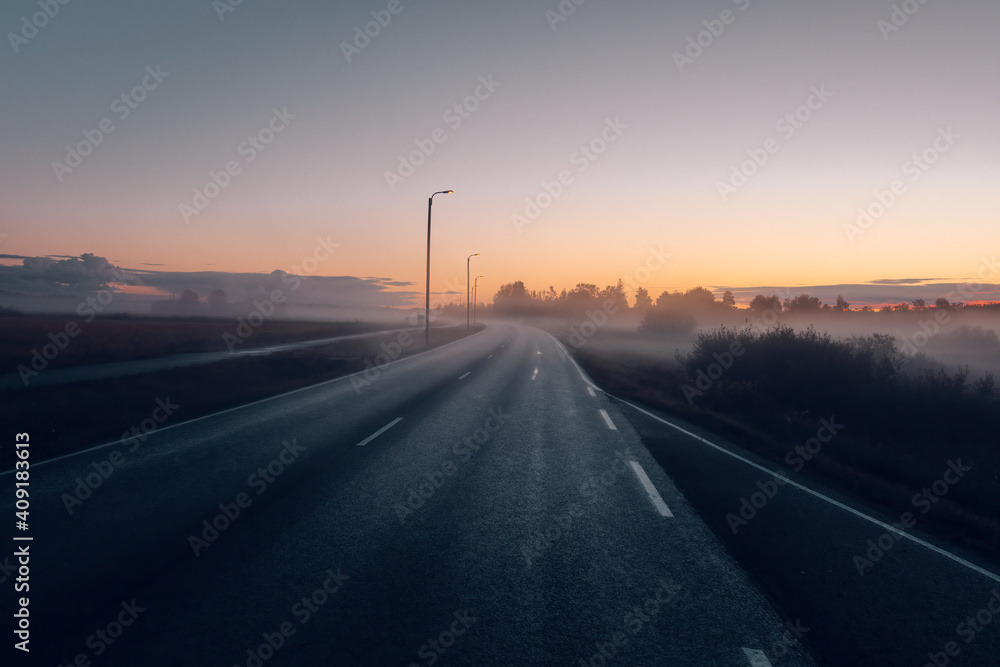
(107, 339)
(67, 418)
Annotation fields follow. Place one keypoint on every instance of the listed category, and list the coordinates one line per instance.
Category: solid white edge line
(590, 390)
(607, 420)
(654, 495)
(563, 350)
(817, 494)
(379, 432)
(244, 406)
(465, 376)
(756, 657)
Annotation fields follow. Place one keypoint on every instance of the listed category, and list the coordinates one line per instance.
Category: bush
(787, 376)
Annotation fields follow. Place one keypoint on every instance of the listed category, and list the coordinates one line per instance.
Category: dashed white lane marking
(490, 357)
(534, 375)
(466, 375)
(538, 351)
(892, 529)
(756, 657)
(379, 432)
(654, 495)
(590, 390)
(607, 420)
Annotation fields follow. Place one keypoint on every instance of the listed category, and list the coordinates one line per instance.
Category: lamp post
(475, 297)
(427, 300)
(467, 287)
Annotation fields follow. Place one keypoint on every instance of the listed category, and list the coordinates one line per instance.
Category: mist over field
(953, 335)
(967, 340)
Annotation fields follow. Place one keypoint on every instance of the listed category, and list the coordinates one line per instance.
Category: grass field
(109, 339)
(67, 418)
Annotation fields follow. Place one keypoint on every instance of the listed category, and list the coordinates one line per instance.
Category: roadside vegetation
(69, 417)
(124, 337)
(904, 416)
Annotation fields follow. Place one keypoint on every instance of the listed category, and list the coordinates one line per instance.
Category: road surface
(479, 504)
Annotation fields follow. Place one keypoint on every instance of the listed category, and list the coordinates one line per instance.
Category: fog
(954, 338)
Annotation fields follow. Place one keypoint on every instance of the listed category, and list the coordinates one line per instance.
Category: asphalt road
(478, 504)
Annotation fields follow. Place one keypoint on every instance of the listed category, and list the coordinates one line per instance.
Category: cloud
(47, 275)
(902, 281)
(345, 291)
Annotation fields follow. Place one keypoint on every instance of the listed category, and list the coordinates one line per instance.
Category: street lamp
(427, 301)
(467, 303)
(475, 296)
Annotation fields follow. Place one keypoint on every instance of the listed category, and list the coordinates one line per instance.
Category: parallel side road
(479, 504)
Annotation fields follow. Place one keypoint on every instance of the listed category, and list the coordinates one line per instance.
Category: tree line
(515, 298)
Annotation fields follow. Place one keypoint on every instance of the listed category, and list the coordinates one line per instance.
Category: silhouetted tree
(583, 296)
(842, 305)
(919, 304)
(189, 303)
(514, 290)
(728, 300)
(642, 299)
(761, 303)
(666, 298)
(512, 297)
(615, 293)
(218, 301)
(698, 297)
(803, 302)
(942, 303)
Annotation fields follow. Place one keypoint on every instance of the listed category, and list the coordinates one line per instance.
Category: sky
(782, 143)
